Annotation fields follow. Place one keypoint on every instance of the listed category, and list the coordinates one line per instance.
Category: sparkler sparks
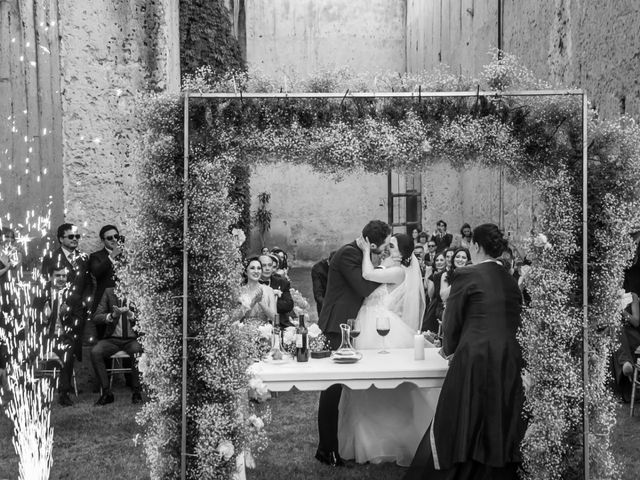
(29, 404)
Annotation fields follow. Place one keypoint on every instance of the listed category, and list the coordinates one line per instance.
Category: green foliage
(262, 216)
(206, 37)
(538, 140)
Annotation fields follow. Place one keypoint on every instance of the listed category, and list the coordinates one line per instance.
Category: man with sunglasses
(79, 279)
(101, 267)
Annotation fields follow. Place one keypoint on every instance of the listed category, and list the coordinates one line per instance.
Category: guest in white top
(258, 300)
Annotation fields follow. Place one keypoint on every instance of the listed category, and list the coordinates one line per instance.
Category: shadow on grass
(293, 438)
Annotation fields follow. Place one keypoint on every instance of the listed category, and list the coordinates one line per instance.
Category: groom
(346, 290)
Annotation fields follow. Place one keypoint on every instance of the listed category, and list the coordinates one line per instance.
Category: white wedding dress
(385, 425)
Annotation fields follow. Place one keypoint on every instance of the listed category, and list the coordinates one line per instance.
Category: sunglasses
(431, 245)
(112, 237)
(73, 237)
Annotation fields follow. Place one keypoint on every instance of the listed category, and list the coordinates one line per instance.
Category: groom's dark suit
(346, 290)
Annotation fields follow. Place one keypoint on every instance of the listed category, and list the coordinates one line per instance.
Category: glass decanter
(276, 353)
(345, 346)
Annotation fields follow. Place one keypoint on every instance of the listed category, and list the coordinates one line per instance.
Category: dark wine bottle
(302, 341)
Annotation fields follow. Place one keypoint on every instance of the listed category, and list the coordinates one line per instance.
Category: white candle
(418, 346)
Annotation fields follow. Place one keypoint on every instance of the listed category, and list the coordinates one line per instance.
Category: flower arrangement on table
(317, 340)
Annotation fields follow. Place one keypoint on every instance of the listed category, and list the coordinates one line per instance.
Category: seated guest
(441, 237)
(423, 238)
(319, 275)
(59, 316)
(264, 251)
(258, 300)
(434, 311)
(632, 273)
(624, 357)
(282, 268)
(430, 253)
(415, 232)
(464, 240)
(101, 267)
(10, 260)
(280, 286)
(118, 316)
(461, 258)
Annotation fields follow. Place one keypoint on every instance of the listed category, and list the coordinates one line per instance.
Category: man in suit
(80, 281)
(441, 237)
(280, 285)
(101, 267)
(118, 316)
(346, 290)
(319, 276)
(59, 314)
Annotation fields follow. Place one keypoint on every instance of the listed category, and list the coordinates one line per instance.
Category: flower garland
(538, 141)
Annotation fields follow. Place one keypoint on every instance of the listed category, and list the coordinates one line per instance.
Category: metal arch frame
(495, 94)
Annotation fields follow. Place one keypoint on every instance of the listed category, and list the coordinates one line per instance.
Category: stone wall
(111, 51)
(579, 43)
(313, 214)
(302, 36)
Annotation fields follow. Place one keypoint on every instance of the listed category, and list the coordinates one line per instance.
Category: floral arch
(537, 138)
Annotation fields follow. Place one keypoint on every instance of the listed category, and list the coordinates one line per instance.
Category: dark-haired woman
(379, 425)
(478, 425)
(464, 240)
(433, 316)
(258, 301)
(432, 285)
(461, 258)
(423, 239)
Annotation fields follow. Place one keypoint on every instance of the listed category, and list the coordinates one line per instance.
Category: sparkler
(28, 405)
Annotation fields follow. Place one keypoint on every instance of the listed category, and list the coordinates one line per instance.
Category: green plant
(262, 216)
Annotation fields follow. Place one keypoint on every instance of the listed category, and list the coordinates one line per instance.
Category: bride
(387, 425)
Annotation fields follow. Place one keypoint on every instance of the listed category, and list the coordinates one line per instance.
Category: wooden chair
(47, 371)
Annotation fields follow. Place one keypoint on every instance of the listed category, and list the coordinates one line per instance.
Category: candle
(418, 346)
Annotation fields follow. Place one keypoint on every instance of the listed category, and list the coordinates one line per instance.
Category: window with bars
(404, 201)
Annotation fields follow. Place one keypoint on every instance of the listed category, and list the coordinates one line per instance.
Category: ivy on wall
(206, 37)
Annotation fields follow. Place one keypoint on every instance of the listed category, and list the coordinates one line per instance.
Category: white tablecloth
(383, 371)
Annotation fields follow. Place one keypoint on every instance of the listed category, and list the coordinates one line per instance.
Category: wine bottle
(302, 341)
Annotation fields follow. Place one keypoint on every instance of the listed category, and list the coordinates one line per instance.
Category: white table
(383, 371)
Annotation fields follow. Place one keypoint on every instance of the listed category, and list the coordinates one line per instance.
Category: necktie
(125, 325)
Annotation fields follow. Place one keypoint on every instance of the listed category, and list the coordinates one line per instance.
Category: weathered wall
(473, 196)
(457, 33)
(111, 51)
(30, 112)
(303, 36)
(311, 213)
(585, 43)
(580, 43)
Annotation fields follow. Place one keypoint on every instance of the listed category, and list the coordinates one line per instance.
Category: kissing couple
(373, 425)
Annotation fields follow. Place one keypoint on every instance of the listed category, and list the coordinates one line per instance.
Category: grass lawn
(97, 443)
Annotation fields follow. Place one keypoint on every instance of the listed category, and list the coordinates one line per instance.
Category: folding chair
(117, 365)
(54, 372)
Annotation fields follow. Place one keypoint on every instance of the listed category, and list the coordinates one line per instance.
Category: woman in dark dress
(432, 284)
(478, 425)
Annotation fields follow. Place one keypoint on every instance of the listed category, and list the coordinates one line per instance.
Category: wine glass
(354, 323)
(383, 327)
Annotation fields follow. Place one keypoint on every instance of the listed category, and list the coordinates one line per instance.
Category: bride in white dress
(386, 425)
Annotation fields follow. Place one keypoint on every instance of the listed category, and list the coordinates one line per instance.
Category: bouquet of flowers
(300, 304)
(317, 340)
